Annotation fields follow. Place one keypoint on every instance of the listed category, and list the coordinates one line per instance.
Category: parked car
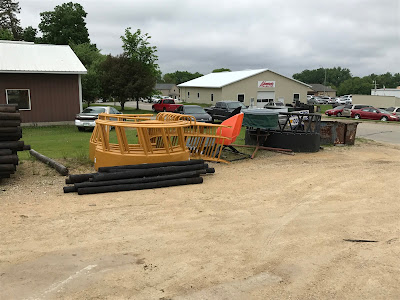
(373, 113)
(223, 109)
(317, 101)
(196, 111)
(165, 105)
(349, 107)
(87, 118)
(343, 101)
(337, 111)
(328, 100)
(274, 105)
(395, 110)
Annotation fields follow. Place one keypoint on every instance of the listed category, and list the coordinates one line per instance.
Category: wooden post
(52, 163)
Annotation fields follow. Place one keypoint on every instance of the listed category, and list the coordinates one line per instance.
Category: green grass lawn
(66, 142)
(56, 142)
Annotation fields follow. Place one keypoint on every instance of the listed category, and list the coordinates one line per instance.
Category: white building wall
(386, 92)
(376, 101)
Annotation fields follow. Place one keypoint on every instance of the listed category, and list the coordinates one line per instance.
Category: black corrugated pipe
(139, 186)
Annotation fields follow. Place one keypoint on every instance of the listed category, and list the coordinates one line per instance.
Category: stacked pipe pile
(10, 135)
(138, 177)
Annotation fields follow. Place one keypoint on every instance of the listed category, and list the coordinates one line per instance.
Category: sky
(286, 36)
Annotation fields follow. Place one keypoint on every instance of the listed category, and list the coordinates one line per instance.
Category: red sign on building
(266, 84)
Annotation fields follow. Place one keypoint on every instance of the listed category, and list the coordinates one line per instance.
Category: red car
(165, 105)
(337, 111)
(373, 113)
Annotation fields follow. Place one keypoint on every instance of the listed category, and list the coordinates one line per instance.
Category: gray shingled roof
(164, 86)
(320, 88)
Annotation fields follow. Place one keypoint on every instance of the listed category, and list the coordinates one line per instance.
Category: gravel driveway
(308, 226)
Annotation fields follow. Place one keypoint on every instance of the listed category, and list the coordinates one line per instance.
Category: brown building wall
(54, 97)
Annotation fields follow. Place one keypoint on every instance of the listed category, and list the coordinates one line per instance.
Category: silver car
(87, 118)
(347, 109)
(395, 110)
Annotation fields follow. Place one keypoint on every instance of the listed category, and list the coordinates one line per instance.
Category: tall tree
(65, 25)
(8, 17)
(29, 34)
(92, 59)
(124, 78)
(221, 70)
(137, 48)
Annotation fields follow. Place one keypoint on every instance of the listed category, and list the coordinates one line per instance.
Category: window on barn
(21, 97)
(198, 95)
(212, 97)
(240, 97)
(188, 94)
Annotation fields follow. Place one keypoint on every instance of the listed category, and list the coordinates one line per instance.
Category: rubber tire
(339, 114)
(384, 119)
(357, 117)
(81, 128)
(164, 109)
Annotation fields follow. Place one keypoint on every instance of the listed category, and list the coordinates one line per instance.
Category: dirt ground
(270, 228)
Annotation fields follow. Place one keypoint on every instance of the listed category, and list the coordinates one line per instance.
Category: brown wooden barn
(44, 80)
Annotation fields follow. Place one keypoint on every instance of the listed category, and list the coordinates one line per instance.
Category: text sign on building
(266, 84)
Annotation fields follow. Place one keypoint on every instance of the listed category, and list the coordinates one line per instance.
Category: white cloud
(285, 36)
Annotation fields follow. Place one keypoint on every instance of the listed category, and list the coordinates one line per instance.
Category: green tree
(65, 25)
(29, 34)
(8, 17)
(179, 77)
(137, 48)
(355, 85)
(92, 59)
(6, 34)
(221, 70)
(124, 78)
(329, 76)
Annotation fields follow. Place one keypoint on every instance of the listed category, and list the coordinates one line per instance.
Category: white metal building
(262, 85)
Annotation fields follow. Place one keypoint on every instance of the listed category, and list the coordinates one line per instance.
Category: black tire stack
(138, 177)
(10, 135)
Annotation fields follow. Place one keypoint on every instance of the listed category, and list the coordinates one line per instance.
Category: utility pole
(325, 82)
(374, 82)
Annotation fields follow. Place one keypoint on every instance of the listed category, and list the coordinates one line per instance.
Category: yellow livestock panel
(95, 138)
(168, 145)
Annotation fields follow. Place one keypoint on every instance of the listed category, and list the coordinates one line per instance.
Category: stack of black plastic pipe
(10, 135)
(138, 177)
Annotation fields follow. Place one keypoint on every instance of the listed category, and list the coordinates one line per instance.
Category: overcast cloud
(286, 36)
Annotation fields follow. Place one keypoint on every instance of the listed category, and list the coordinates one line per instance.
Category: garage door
(265, 98)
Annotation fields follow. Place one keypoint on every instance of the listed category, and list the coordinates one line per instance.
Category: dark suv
(223, 109)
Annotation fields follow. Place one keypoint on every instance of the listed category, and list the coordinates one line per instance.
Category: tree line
(344, 83)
